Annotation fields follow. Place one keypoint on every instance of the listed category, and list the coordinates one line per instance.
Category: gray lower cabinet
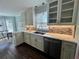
(18, 38)
(68, 50)
(40, 43)
(37, 42)
(33, 40)
(27, 38)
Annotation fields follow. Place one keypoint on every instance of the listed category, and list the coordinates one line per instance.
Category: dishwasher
(52, 47)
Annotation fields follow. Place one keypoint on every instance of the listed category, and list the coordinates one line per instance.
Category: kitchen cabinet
(53, 11)
(68, 50)
(37, 42)
(68, 11)
(33, 40)
(62, 11)
(40, 43)
(27, 38)
(29, 16)
(18, 38)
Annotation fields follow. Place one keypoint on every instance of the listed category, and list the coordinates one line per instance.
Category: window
(41, 19)
(9, 23)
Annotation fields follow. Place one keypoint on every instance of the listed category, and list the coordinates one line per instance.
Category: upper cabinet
(68, 11)
(28, 16)
(53, 11)
(62, 11)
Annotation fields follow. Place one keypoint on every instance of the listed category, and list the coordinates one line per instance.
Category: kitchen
(49, 27)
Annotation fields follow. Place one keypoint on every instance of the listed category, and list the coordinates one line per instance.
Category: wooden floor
(8, 51)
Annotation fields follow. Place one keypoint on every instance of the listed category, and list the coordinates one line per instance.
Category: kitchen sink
(42, 33)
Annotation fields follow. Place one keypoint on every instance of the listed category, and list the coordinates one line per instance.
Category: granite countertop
(61, 37)
(55, 35)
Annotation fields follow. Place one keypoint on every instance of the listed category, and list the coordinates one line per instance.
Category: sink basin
(39, 33)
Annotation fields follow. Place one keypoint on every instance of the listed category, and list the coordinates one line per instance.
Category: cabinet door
(27, 38)
(19, 38)
(68, 50)
(33, 40)
(40, 43)
(53, 11)
(62, 11)
(37, 42)
(68, 11)
(29, 16)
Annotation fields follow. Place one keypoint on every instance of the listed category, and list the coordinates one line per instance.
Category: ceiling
(9, 7)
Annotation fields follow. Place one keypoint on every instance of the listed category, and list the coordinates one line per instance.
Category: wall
(8, 23)
(3, 23)
(77, 34)
(20, 24)
(62, 29)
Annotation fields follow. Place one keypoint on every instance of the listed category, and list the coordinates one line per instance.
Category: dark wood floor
(8, 51)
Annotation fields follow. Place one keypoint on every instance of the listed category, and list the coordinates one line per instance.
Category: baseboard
(20, 44)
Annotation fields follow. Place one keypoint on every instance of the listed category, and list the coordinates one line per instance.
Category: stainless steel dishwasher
(52, 47)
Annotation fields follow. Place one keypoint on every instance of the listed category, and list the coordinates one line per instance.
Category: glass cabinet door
(67, 8)
(62, 11)
(53, 8)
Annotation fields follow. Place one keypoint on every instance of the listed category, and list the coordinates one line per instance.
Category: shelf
(53, 9)
(64, 1)
(64, 20)
(52, 12)
(52, 21)
(68, 6)
(52, 18)
(53, 3)
(53, 15)
(53, 6)
(67, 17)
(67, 9)
(67, 14)
(67, 2)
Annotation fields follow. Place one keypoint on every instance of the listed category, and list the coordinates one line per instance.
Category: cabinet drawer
(27, 34)
(69, 44)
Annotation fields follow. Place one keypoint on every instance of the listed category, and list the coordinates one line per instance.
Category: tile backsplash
(30, 27)
(62, 29)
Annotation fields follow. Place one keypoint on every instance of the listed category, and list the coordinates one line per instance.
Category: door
(53, 8)
(19, 38)
(40, 43)
(33, 40)
(68, 50)
(27, 38)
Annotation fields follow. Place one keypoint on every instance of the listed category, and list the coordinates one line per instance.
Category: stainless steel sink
(39, 33)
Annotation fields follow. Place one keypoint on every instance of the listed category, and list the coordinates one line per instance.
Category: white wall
(77, 34)
(20, 24)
